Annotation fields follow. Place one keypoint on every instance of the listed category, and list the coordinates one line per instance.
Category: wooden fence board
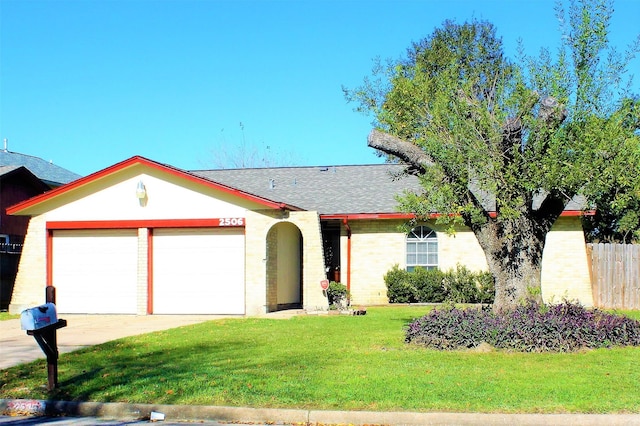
(615, 275)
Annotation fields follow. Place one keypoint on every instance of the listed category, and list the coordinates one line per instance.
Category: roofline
(22, 169)
(135, 160)
(408, 216)
(318, 166)
(365, 216)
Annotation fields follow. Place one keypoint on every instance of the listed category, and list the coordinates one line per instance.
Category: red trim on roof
(364, 216)
(148, 223)
(137, 160)
(408, 216)
(574, 213)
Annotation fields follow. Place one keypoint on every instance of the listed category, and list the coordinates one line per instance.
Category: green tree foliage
(617, 194)
(503, 146)
(605, 116)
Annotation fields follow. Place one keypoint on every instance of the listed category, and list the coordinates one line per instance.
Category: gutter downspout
(345, 221)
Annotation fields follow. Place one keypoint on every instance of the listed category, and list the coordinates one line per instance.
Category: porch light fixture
(141, 191)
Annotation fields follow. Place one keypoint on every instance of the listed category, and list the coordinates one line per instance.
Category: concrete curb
(124, 412)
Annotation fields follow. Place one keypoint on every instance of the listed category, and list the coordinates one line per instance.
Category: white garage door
(198, 271)
(94, 271)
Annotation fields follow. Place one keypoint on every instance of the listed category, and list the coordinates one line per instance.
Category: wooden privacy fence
(615, 275)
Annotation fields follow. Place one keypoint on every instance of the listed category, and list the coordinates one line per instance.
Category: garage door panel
(95, 271)
(198, 271)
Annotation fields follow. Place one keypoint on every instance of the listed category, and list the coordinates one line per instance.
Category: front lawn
(332, 362)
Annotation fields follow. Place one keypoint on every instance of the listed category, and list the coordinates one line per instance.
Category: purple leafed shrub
(531, 327)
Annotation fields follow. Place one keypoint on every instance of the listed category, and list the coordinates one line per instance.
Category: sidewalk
(267, 416)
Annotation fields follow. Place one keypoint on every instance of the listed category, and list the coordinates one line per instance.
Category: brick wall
(142, 292)
(261, 260)
(378, 245)
(565, 269)
(29, 289)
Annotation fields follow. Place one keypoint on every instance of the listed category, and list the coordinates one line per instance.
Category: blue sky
(87, 84)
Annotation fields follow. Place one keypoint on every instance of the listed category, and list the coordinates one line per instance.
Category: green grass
(332, 362)
(6, 316)
(630, 314)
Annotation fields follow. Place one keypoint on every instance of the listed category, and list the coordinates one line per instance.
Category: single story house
(141, 237)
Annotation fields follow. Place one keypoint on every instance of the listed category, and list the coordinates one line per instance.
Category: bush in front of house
(458, 285)
(429, 284)
(463, 286)
(563, 327)
(337, 295)
(400, 289)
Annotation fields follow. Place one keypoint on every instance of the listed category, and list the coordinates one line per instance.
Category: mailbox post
(42, 323)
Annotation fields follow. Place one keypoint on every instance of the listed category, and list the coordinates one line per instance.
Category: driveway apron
(16, 347)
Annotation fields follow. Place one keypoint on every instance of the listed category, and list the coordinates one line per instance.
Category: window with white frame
(422, 248)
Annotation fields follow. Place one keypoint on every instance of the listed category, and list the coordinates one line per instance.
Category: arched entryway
(284, 267)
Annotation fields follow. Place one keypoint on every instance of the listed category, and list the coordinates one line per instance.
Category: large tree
(503, 146)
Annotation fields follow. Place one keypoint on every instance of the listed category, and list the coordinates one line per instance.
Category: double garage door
(192, 271)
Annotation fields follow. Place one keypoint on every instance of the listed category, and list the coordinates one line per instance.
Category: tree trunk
(513, 250)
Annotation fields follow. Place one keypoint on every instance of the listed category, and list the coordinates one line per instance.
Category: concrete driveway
(16, 347)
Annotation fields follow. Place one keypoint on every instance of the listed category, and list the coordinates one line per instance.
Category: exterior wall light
(141, 191)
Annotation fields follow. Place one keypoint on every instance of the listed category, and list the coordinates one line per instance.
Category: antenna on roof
(6, 144)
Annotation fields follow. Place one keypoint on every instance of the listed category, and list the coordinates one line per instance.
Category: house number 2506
(231, 221)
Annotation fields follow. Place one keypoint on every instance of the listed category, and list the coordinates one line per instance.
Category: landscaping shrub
(429, 284)
(459, 285)
(337, 295)
(400, 289)
(563, 327)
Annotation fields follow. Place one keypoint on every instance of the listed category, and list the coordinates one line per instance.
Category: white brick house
(145, 238)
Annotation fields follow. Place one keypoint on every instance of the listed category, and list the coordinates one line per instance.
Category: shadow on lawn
(116, 371)
(150, 372)
(218, 360)
(403, 322)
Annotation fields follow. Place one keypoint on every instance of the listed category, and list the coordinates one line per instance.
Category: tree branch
(551, 112)
(405, 151)
(552, 206)
(418, 161)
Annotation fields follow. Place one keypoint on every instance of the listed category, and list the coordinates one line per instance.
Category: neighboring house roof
(46, 171)
(327, 190)
(335, 190)
(8, 171)
(4, 170)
